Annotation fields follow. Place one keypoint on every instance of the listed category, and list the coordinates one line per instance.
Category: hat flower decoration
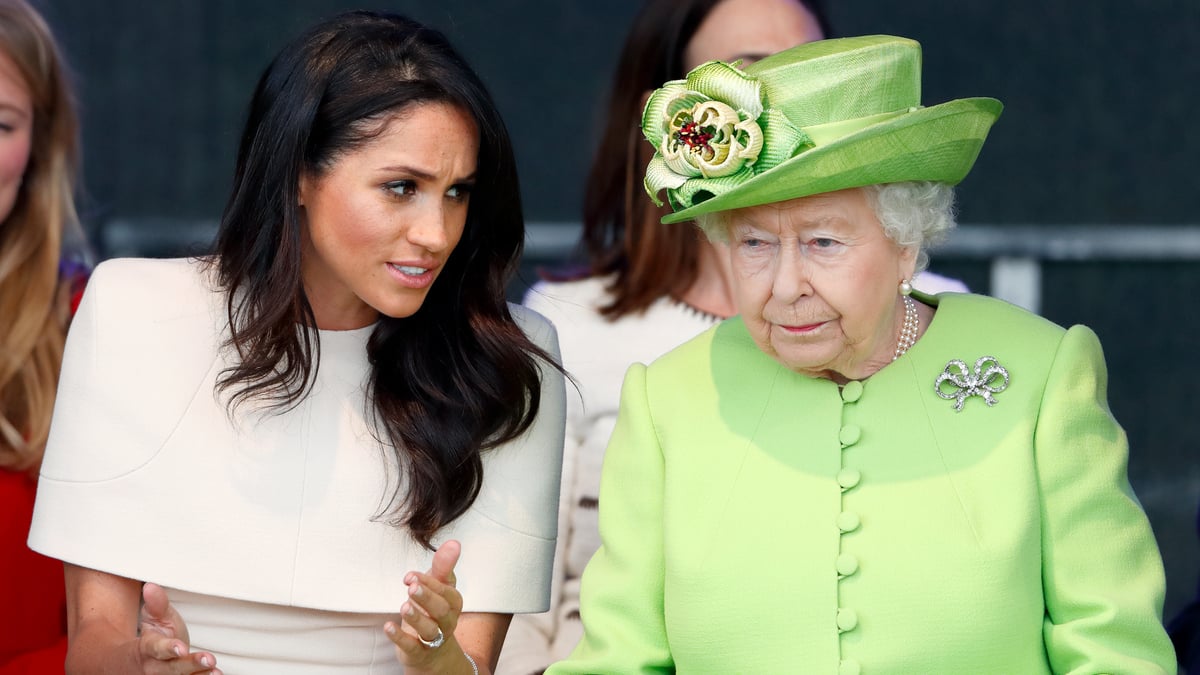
(713, 126)
(819, 117)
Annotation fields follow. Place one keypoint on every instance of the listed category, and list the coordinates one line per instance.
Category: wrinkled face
(16, 132)
(816, 282)
(750, 30)
(380, 223)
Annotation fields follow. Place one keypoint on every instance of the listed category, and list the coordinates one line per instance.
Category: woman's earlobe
(303, 190)
(908, 261)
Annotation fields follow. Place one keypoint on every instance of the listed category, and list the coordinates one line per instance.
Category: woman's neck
(712, 291)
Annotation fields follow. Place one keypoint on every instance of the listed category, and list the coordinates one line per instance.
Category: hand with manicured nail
(432, 612)
(163, 644)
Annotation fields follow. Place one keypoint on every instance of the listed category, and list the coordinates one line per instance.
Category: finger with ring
(435, 642)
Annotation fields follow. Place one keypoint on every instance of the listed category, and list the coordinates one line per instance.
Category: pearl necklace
(908, 333)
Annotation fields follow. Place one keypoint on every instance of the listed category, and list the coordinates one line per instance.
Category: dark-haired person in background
(281, 435)
(646, 288)
(38, 289)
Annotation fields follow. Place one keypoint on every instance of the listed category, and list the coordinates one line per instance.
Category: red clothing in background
(33, 637)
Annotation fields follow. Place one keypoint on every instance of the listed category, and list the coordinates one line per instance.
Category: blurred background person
(644, 288)
(851, 475)
(39, 287)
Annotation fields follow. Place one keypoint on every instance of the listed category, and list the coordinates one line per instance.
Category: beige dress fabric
(270, 515)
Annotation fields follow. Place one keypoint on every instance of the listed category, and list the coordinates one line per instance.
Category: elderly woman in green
(851, 477)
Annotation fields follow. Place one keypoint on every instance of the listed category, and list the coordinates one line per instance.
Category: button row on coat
(848, 521)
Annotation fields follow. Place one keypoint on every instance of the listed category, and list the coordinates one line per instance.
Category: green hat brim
(938, 143)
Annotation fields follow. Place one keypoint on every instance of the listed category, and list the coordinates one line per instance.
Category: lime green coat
(758, 521)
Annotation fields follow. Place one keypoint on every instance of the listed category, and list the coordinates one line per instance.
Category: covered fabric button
(847, 521)
(847, 619)
(847, 564)
(848, 478)
(849, 667)
(852, 391)
(850, 434)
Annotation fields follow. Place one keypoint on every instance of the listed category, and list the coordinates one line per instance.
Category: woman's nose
(792, 279)
(428, 229)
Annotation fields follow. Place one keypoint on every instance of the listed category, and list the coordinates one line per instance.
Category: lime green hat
(819, 117)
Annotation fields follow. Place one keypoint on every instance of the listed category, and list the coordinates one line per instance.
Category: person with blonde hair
(38, 165)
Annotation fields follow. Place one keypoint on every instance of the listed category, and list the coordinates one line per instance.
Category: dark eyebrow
(424, 175)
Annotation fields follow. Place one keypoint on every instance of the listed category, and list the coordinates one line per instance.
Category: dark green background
(1099, 128)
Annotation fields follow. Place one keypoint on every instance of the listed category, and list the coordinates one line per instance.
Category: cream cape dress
(262, 526)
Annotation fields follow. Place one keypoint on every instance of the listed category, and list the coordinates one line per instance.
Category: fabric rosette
(713, 132)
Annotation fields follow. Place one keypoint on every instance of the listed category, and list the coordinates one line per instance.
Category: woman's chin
(407, 304)
(813, 360)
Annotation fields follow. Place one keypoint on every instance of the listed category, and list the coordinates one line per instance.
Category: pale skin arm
(103, 628)
(435, 603)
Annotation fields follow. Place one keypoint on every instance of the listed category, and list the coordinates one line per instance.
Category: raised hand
(425, 639)
(163, 646)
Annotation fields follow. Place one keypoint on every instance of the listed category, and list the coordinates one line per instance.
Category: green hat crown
(819, 117)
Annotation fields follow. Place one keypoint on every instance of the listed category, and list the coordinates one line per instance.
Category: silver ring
(435, 642)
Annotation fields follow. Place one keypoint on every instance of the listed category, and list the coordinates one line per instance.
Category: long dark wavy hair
(458, 376)
(647, 263)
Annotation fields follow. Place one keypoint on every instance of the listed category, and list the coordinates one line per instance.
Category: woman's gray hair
(914, 213)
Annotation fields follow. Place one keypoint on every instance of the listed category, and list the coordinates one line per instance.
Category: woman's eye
(459, 192)
(822, 242)
(401, 187)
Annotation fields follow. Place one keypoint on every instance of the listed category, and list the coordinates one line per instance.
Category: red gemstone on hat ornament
(695, 137)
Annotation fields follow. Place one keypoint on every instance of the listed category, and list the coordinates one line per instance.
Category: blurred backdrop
(1085, 199)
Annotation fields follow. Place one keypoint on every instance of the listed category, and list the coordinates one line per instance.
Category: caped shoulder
(153, 288)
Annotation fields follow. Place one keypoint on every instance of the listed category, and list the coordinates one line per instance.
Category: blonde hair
(34, 313)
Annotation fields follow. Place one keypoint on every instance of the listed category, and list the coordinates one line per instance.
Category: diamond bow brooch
(957, 383)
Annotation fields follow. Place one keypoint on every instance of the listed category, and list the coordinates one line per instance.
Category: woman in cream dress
(281, 435)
